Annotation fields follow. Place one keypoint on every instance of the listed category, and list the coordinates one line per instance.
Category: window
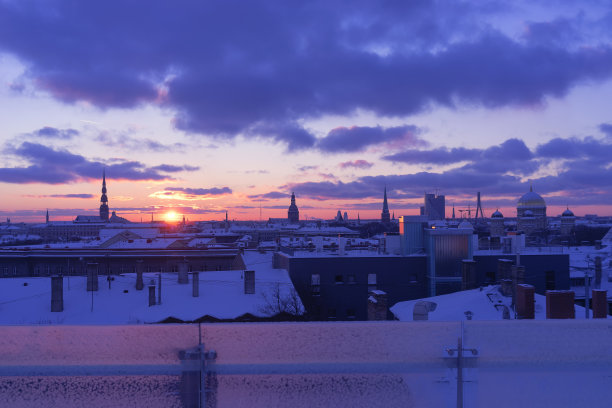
(350, 314)
(350, 279)
(339, 279)
(371, 281)
(315, 282)
(331, 313)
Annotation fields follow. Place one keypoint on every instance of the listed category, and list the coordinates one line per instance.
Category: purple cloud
(357, 138)
(201, 191)
(358, 164)
(54, 133)
(87, 196)
(442, 155)
(60, 166)
(511, 155)
(262, 72)
(273, 195)
(606, 128)
(169, 168)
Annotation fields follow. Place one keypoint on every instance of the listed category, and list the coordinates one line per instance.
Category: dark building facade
(434, 207)
(543, 271)
(47, 262)
(337, 287)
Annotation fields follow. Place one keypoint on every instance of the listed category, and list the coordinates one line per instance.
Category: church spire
(47, 216)
(385, 216)
(104, 212)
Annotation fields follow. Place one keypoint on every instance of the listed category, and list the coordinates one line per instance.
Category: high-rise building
(435, 207)
(293, 214)
(385, 216)
(104, 212)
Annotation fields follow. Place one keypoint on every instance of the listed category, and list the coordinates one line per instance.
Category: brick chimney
(249, 282)
(195, 287)
(377, 305)
(139, 281)
(560, 304)
(598, 272)
(504, 269)
(600, 304)
(57, 293)
(525, 301)
(183, 278)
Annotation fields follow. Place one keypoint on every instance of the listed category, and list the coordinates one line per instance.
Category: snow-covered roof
(221, 296)
(486, 304)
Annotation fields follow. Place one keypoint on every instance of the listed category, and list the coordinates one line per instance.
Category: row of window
(315, 282)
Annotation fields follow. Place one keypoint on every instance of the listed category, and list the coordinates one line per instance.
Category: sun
(171, 216)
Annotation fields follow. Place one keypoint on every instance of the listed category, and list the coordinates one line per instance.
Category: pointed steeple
(453, 211)
(293, 214)
(104, 212)
(47, 216)
(385, 216)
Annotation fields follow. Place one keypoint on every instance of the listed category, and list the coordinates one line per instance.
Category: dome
(465, 225)
(528, 213)
(531, 200)
(567, 213)
(497, 214)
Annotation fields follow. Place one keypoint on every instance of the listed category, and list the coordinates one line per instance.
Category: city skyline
(211, 107)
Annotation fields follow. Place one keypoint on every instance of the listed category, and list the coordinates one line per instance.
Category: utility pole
(587, 287)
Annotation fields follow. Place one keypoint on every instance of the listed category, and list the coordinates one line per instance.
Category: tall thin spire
(104, 212)
(385, 216)
(47, 216)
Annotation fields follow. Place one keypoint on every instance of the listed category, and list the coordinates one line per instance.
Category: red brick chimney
(525, 301)
(600, 304)
(560, 304)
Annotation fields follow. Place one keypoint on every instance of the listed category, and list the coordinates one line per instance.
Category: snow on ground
(221, 296)
(485, 304)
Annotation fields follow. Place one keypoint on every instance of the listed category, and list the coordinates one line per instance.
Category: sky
(202, 107)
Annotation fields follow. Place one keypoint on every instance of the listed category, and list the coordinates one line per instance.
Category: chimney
(195, 287)
(505, 287)
(139, 281)
(183, 278)
(518, 274)
(468, 268)
(421, 310)
(57, 293)
(560, 304)
(525, 301)
(504, 269)
(92, 277)
(377, 305)
(598, 272)
(151, 295)
(600, 304)
(249, 282)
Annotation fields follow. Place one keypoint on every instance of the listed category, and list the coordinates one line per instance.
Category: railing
(357, 364)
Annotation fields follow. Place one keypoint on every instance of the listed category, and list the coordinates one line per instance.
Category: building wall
(544, 272)
(24, 264)
(343, 287)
